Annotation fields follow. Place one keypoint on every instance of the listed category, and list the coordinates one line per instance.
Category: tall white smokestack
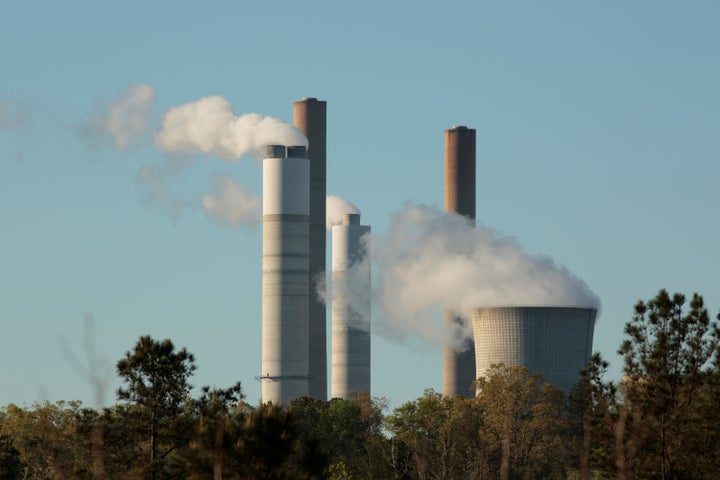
(350, 309)
(285, 276)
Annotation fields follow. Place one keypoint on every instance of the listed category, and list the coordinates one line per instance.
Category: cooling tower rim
(535, 306)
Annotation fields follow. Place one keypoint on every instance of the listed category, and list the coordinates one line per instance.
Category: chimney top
(296, 151)
(351, 219)
(275, 151)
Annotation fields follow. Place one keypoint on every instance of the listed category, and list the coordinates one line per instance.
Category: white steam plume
(232, 204)
(125, 119)
(335, 208)
(210, 126)
(433, 261)
(355, 289)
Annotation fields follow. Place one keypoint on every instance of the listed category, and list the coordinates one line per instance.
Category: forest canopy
(660, 421)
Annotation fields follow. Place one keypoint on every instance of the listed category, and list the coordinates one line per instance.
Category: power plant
(554, 341)
(459, 353)
(350, 309)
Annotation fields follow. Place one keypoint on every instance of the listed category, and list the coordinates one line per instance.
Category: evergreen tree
(156, 377)
(668, 352)
(215, 450)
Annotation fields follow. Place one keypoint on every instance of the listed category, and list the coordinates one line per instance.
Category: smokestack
(350, 309)
(459, 364)
(286, 221)
(555, 342)
(310, 116)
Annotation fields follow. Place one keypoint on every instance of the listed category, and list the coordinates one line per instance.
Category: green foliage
(270, 433)
(339, 436)
(158, 388)
(526, 424)
(661, 422)
(593, 405)
(669, 372)
(46, 442)
(214, 449)
(438, 436)
(10, 463)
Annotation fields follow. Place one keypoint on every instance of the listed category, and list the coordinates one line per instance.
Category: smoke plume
(432, 261)
(125, 119)
(210, 126)
(335, 208)
(232, 204)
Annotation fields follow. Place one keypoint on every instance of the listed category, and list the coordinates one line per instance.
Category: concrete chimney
(459, 364)
(285, 278)
(350, 309)
(310, 116)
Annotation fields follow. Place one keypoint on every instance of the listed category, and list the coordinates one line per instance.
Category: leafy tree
(156, 377)
(668, 354)
(440, 434)
(339, 437)
(47, 441)
(311, 453)
(371, 461)
(526, 419)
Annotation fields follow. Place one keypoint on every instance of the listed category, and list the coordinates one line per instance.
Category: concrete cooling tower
(350, 310)
(459, 360)
(309, 115)
(285, 266)
(555, 342)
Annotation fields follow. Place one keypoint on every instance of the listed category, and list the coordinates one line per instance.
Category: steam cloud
(432, 261)
(126, 119)
(353, 288)
(232, 204)
(210, 126)
(335, 208)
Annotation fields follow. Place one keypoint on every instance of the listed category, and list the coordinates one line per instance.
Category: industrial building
(555, 342)
(458, 373)
(350, 309)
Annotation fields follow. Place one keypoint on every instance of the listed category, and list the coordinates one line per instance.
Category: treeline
(662, 421)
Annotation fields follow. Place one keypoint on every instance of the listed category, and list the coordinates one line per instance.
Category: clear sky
(598, 144)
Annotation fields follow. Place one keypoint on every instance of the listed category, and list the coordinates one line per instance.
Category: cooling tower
(350, 309)
(310, 116)
(555, 342)
(285, 267)
(459, 360)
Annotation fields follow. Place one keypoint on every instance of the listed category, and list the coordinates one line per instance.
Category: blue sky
(597, 144)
